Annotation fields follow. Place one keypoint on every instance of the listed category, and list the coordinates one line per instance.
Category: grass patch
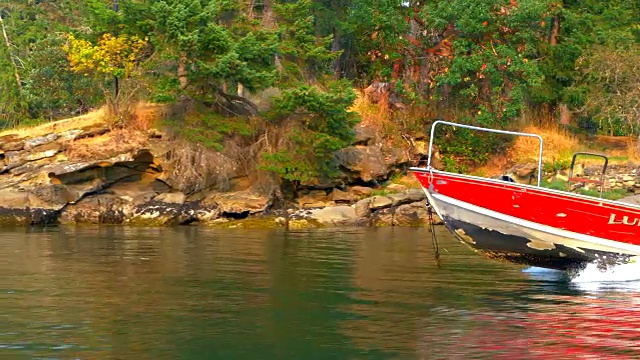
(613, 194)
(610, 194)
(379, 192)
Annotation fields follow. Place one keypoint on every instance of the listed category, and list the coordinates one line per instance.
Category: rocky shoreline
(95, 174)
(89, 173)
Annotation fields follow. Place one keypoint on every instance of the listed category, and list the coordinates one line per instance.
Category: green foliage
(48, 89)
(462, 149)
(12, 104)
(304, 56)
(494, 46)
(210, 129)
(610, 79)
(52, 90)
(320, 125)
(555, 184)
(552, 167)
(212, 44)
(486, 59)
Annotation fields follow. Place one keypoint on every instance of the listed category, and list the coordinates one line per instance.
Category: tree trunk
(335, 46)
(555, 30)
(240, 90)
(565, 114)
(13, 62)
(268, 18)
(182, 70)
(563, 109)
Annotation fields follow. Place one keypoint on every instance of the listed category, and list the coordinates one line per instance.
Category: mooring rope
(434, 238)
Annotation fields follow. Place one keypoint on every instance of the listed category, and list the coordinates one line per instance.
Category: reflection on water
(113, 292)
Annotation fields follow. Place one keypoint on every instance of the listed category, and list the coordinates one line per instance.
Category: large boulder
(523, 173)
(45, 182)
(341, 215)
(98, 209)
(383, 217)
(365, 163)
(238, 204)
(413, 214)
(364, 135)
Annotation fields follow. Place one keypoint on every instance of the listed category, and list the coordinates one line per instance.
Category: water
(193, 293)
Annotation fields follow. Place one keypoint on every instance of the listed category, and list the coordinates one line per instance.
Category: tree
(213, 47)
(312, 111)
(112, 56)
(48, 89)
(317, 124)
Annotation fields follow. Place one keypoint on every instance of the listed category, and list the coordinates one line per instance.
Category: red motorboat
(529, 224)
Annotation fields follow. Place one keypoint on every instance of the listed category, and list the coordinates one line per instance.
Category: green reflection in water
(194, 293)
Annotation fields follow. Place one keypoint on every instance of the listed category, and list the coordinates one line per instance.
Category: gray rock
(314, 199)
(383, 217)
(633, 199)
(414, 214)
(239, 202)
(13, 146)
(522, 173)
(363, 162)
(98, 209)
(340, 196)
(364, 135)
(396, 187)
(334, 215)
(360, 190)
(39, 141)
(363, 208)
(379, 202)
(171, 198)
(407, 197)
(44, 151)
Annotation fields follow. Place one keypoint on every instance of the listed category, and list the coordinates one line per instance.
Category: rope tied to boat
(434, 238)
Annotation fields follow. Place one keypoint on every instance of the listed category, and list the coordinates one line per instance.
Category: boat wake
(593, 276)
(594, 272)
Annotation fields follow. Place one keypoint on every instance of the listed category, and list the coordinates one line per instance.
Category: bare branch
(11, 57)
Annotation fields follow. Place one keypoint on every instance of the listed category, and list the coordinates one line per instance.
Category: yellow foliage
(112, 55)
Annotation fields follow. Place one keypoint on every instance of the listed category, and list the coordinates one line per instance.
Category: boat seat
(506, 178)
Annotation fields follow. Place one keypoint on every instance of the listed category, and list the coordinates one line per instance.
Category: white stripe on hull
(446, 206)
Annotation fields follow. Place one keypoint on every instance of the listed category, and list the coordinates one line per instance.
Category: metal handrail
(505, 132)
(573, 163)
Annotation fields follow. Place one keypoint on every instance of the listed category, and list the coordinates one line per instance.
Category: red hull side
(589, 216)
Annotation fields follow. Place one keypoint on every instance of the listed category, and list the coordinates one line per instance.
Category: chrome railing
(505, 132)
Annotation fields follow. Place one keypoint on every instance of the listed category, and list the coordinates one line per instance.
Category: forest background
(497, 63)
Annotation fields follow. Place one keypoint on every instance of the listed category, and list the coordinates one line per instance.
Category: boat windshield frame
(478, 128)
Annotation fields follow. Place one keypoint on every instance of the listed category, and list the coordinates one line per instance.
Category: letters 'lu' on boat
(530, 224)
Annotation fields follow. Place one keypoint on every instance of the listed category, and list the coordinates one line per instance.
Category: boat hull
(476, 211)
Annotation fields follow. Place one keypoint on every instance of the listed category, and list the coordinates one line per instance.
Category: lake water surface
(354, 293)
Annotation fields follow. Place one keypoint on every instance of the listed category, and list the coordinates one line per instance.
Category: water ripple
(111, 292)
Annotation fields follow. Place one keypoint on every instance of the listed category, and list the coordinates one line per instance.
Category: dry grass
(558, 144)
(559, 147)
(142, 116)
(116, 142)
(93, 118)
(377, 115)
